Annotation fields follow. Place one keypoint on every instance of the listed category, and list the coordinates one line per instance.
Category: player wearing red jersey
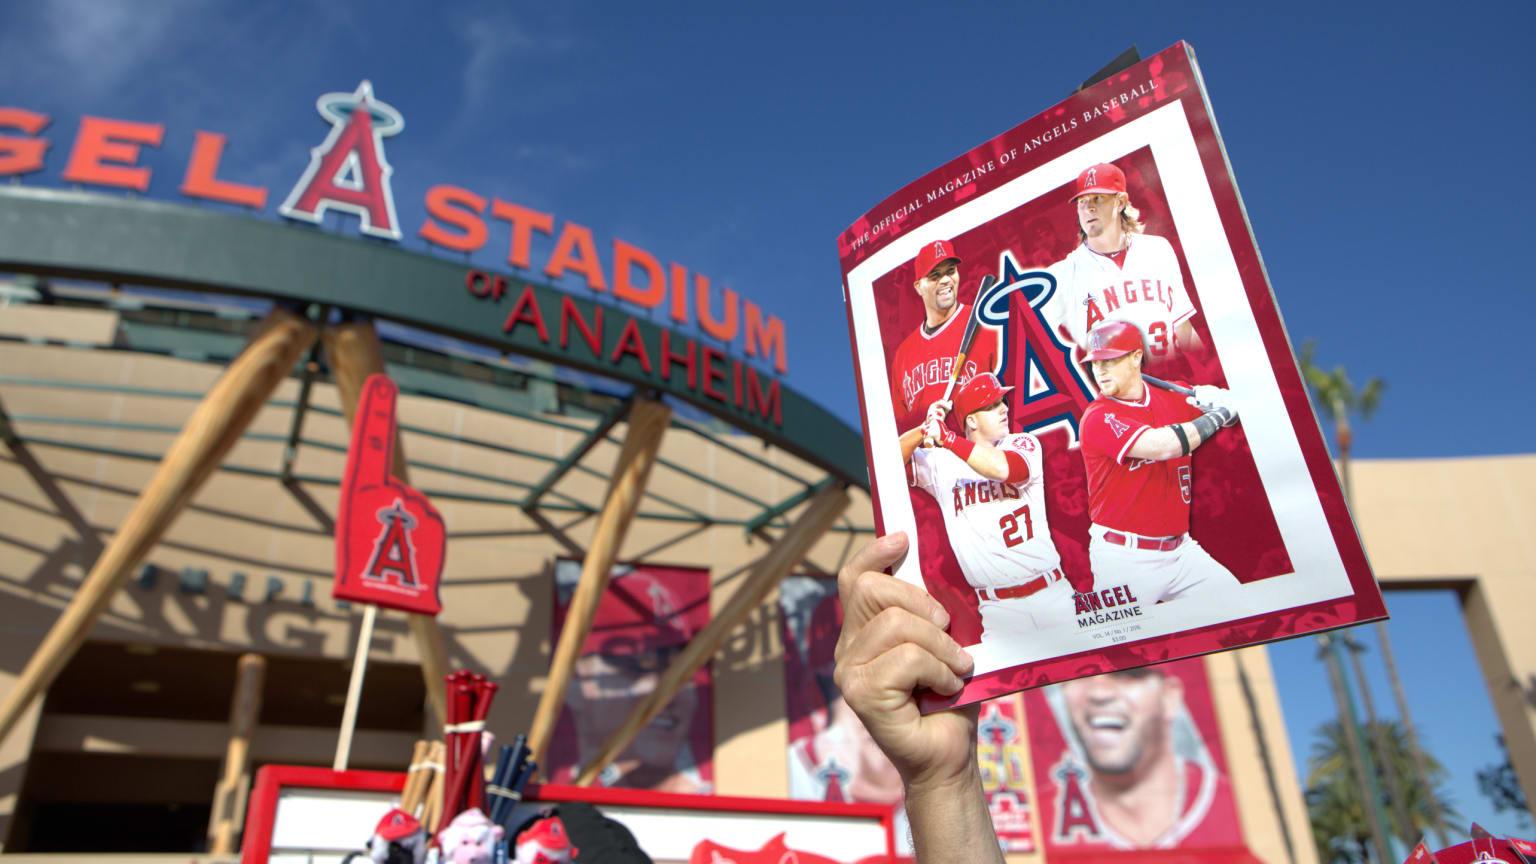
(990, 486)
(924, 361)
(1136, 443)
(1126, 780)
(1119, 273)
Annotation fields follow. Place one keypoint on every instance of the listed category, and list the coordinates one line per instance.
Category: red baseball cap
(396, 824)
(646, 609)
(931, 255)
(979, 392)
(1113, 339)
(1100, 179)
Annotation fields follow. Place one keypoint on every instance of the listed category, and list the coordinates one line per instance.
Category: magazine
(1080, 402)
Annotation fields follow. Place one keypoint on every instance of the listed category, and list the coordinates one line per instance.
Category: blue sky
(1372, 144)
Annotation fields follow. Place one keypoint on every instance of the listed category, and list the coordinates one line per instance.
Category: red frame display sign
(1071, 562)
(669, 827)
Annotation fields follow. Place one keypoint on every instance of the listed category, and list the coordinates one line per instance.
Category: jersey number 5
(1010, 526)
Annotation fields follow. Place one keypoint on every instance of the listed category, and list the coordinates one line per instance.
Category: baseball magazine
(1081, 405)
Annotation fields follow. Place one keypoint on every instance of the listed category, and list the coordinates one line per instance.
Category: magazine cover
(1080, 402)
(645, 617)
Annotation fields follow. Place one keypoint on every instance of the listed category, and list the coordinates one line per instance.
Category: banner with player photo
(832, 757)
(645, 617)
(1081, 405)
(1131, 760)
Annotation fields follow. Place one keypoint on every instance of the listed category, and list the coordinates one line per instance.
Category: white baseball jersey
(997, 530)
(1156, 576)
(1146, 290)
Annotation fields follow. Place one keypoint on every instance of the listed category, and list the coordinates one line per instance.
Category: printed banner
(832, 757)
(1080, 402)
(1131, 760)
(643, 621)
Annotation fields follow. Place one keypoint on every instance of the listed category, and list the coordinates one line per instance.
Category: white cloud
(85, 48)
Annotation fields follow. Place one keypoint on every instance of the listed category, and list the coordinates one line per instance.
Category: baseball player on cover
(924, 362)
(990, 486)
(1136, 443)
(1119, 273)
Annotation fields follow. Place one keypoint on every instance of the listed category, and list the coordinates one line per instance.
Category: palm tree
(1383, 754)
(1333, 800)
(1373, 835)
(1336, 398)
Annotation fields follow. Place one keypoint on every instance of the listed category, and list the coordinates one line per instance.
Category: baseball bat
(966, 339)
(1166, 385)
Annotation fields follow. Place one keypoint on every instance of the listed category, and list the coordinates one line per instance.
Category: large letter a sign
(389, 540)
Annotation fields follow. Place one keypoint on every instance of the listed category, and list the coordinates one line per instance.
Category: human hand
(892, 643)
(1216, 400)
(935, 415)
(937, 411)
(937, 431)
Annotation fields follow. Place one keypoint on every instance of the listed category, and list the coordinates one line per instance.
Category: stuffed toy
(471, 838)
(544, 842)
(397, 839)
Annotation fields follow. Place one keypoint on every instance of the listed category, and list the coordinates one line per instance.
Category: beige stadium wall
(496, 590)
(1468, 524)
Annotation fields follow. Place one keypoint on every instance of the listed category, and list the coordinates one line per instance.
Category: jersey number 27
(1010, 525)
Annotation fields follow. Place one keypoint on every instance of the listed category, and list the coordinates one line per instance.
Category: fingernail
(892, 542)
(939, 616)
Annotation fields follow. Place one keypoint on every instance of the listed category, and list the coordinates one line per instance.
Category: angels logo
(835, 777)
(1074, 812)
(1120, 427)
(1092, 178)
(661, 601)
(996, 728)
(1055, 390)
(394, 556)
(348, 170)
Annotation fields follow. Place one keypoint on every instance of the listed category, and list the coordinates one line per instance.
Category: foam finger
(373, 433)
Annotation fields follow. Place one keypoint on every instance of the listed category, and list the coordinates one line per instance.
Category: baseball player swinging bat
(966, 339)
(1201, 400)
(1158, 382)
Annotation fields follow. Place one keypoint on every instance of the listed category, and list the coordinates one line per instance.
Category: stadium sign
(348, 172)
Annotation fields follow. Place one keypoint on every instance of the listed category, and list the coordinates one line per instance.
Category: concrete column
(1497, 607)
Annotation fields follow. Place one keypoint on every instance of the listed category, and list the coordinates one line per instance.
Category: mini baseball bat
(1166, 385)
(966, 338)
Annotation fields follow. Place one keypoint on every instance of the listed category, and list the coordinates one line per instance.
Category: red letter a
(348, 171)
